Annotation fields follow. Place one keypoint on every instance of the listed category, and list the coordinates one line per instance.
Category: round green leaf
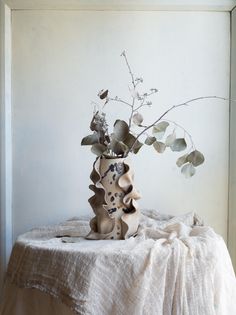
(179, 145)
(150, 140)
(118, 147)
(90, 140)
(196, 158)
(98, 149)
(170, 139)
(188, 170)
(182, 160)
(130, 140)
(160, 129)
(137, 119)
(138, 145)
(159, 146)
(121, 130)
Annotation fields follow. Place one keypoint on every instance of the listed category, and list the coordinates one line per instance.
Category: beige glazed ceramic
(114, 201)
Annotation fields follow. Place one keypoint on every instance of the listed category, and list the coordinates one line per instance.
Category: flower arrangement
(124, 139)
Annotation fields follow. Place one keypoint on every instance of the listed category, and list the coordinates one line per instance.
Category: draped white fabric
(174, 266)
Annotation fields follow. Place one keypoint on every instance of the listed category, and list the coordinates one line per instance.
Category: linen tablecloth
(174, 266)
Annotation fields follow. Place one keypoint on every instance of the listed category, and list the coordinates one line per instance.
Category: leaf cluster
(124, 140)
(118, 144)
(188, 162)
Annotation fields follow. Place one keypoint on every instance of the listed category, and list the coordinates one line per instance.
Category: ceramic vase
(114, 200)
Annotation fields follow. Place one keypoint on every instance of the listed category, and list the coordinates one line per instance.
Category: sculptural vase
(114, 201)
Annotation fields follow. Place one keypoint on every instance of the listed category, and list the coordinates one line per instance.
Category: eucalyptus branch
(120, 101)
(167, 111)
(185, 131)
(123, 136)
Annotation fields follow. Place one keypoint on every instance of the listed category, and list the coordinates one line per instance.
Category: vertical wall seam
(8, 132)
(229, 158)
(5, 140)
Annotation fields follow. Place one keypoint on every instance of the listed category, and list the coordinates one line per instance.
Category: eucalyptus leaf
(196, 158)
(121, 130)
(170, 139)
(103, 94)
(150, 140)
(188, 170)
(130, 140)
(178, 145)
(90, 140)
(137, 119)
(182, 160)
(118, 147)
(138, 145)
(98, 149)
(160, 129)
(159, 146)
(98, 122)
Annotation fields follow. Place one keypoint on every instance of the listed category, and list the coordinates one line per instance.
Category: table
(174, 266)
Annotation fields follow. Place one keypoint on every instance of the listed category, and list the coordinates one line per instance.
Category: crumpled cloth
(174, 266)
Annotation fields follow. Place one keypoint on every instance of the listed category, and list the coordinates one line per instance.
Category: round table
(171, 267)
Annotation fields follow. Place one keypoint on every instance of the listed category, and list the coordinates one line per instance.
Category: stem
(144, 97)
(170, 109)
(142, 105)
(132, 112)
(134, 86)
(129, 68)
(120, 101)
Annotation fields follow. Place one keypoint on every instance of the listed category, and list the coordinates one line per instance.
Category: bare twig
(142, 105)
(134, 86)
(129, 68)
(132, 111)
(135, 82)
(120, 101)
(143, 98)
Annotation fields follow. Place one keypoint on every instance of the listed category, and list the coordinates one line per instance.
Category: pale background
(61, 59)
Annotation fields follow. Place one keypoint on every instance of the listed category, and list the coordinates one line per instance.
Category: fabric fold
(174, 266)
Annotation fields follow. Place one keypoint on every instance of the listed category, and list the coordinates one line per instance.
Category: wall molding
(232, 153)
(117, 5)
(5, 139)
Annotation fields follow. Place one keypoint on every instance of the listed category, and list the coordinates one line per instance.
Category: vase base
(123, 228)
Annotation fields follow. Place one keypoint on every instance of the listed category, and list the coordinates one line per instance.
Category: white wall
(61, 59)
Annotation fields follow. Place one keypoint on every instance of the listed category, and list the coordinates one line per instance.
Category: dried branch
(120, 101)
(129, 68)
(170, 109)
(132, 112)
(149, 104)
(134, 86)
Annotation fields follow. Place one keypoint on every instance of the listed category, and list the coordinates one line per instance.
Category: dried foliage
(124, 139)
